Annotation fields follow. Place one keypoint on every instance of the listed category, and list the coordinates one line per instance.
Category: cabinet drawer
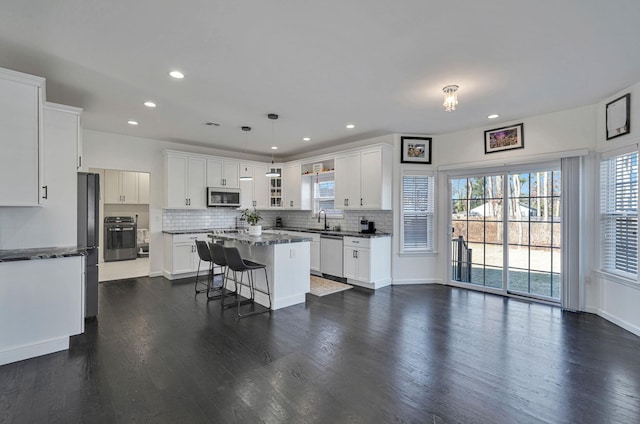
(186, 238)
(357, 242)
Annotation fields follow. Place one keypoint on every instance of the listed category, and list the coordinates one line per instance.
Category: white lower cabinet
(41, 306)
(367, 261)
(181, 256)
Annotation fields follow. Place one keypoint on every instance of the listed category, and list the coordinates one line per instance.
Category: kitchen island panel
(287, 268)
(41, 305)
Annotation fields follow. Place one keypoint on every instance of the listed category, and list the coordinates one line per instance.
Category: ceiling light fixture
(176, 74)
(494, 116)
(149, 104)
(272, 172)
(350, 126)
(132, 122)
(306, 139)
(247, 176)
(450, 97)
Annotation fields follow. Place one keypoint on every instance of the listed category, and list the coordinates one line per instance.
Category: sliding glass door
(521, 257)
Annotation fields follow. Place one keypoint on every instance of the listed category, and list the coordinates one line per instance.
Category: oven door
(120, 243)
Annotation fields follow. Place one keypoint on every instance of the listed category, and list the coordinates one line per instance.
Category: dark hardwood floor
(404, 354)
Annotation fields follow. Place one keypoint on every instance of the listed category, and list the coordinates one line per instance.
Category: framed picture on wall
(505, 138)
(618, 116)
(415, 149)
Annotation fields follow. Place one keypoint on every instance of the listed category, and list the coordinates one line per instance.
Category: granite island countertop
(331, 233)
(10, 255)
(263, 240)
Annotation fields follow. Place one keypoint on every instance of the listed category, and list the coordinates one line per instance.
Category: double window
(417, 213)
(619, 214)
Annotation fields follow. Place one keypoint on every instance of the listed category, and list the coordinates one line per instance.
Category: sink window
(323, 194)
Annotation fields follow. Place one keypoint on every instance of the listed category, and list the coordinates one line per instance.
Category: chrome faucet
(326, 227)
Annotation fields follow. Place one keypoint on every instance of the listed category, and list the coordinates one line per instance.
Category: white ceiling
(379, 64)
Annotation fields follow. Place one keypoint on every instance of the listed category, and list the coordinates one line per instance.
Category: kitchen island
(287, 260)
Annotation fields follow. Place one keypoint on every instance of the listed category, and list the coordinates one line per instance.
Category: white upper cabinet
(143, 188)
(121, 187)
(57, 161)
(186, 181)
(375, 181)
(222, 173)
(296, 194)
(20, 140)
(347, 180)
(363, 179)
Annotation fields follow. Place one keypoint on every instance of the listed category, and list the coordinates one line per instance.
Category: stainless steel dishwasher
(331, 254)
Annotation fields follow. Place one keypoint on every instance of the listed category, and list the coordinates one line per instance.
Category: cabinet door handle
(79, 161)
(361, 201)
(45, 194)
(186, 202)
(292, 203)
(124, 198)
(356, 254)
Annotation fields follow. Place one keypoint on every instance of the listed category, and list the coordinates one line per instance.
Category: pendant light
(272, 172)
(246, 176)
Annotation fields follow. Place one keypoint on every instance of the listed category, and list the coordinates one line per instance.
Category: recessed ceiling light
(306, 139)
(149, 104)
(350, 126)
(274, 147)
(132, 122)
(176, 74)
(494, 116)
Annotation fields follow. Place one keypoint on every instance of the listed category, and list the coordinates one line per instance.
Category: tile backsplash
(181, 219)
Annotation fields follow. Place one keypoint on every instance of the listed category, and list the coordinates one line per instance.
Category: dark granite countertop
(263, 240)
(10, 255)
(333, 233)
(197, 231)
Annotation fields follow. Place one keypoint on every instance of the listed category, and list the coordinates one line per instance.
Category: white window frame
(337, 215)
(605, 193)
(433, 212)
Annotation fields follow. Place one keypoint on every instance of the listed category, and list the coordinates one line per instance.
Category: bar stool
(216, 251)
(236, 264)
(203, 255)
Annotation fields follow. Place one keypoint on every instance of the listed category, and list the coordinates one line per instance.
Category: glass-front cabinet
(275, 189)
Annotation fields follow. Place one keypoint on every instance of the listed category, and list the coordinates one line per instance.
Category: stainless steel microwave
(223, 197)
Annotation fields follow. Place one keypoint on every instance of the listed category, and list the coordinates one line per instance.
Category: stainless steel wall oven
(120, 238)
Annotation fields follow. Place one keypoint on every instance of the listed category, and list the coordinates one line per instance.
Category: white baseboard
(414, 281)
(156, 274)
(33, 350)
(619, 322)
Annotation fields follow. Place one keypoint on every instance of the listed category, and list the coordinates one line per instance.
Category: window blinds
(619, 214)
(417, 212)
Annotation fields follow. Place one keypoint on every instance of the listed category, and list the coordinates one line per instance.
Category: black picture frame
(415, 150)
(504, 138)
(618, 117)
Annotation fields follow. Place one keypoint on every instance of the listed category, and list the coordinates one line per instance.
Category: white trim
(610, 151)
(619, 322)
(36, 349)
(419, 254)
(415, 281)
(543, 157)
(618, 279)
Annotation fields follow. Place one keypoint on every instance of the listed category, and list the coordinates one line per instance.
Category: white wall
(610, 297)
(545, 136)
